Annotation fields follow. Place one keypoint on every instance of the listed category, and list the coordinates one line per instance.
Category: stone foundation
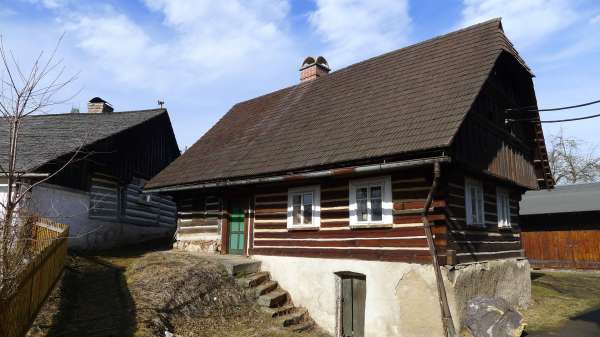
(199, 246)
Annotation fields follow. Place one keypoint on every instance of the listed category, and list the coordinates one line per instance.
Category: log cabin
(342, 175)
(89, 170)
(561, 227)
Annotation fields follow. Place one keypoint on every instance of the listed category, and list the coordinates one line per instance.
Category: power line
(535, 120)
(534, 109)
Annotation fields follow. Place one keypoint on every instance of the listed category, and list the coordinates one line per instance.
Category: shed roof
(562, 199)
(43, 138)
(409, 100)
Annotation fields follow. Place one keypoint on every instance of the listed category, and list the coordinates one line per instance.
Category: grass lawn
(134, 293)
(559, 297)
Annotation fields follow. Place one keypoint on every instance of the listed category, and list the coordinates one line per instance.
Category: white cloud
(355, 30)
(204, 40)
(50, 4)
(222, 33)
(525, 22)
(595, 20)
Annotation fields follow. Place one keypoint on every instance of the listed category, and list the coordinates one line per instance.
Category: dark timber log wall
(199, 217)
(402, 241)
(472, 243)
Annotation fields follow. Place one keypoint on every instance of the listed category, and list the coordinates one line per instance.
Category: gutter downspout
(447, 322)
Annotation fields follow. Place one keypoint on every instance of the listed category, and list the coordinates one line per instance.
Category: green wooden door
(353, 306)
(236, 230)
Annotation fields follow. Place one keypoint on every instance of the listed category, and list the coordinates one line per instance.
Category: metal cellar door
(353, 306)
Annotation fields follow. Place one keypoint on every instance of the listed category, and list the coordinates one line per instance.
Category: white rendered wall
(394, 306)
(71, 207)
(401, 298)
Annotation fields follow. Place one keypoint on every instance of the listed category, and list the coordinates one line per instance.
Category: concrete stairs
(275, 301)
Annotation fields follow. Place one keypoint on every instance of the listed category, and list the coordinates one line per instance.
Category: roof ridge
(430, 40)
(97, 114)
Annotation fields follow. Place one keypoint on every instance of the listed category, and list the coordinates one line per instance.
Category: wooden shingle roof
(411, 99)
(43, 138)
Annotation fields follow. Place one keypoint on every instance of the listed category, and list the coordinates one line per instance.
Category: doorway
(353, 293)
(236, 229)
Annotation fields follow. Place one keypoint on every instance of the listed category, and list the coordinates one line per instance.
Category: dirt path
(92, 300)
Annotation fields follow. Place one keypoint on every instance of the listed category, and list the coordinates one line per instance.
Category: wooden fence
(37, 279)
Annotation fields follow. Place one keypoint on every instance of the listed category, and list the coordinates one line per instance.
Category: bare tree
(22, 94)
(570, 163)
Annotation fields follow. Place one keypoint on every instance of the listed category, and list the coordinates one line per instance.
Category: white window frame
(316, 211)
(503, 201)
(470, 218)
(387, 205)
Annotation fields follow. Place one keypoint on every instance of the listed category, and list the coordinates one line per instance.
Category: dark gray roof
(413, 99)
(43, 138)
(562, 199)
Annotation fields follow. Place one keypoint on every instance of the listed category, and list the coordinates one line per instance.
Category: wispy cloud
(527, 23)
(205, 40)
(354, 30)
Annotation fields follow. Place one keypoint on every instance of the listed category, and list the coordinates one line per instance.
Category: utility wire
(533, 108)
(535, 120)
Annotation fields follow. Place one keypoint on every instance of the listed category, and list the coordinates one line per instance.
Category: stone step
(297, 316)
(237, 266)
(265, 287)
(302, 326)
(273, 299)
(253, 280)
(278, 311)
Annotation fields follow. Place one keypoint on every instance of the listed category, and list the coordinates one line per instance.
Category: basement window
(371, 202)
(304, 207)
(474, 206)
(503, 208)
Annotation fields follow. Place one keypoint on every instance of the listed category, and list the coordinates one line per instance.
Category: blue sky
(201, 57)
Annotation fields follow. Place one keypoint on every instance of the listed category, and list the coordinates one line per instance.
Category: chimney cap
(98, 105)
(311, 61)
(97, 100)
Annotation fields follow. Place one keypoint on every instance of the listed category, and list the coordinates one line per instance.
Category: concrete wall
(401, 298)
(71, 207)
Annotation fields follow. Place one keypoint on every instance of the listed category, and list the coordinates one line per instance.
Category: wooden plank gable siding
(403, 241)
(199, 218)
(472, 243)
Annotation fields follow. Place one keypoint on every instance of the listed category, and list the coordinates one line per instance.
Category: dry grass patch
(136, 294)
(559, 296)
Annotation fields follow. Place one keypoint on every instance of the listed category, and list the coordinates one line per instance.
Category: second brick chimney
(313, 68)
(98, 105)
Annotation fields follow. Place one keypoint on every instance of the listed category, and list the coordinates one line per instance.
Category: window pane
(307, 198)
(376, 192)
(296, 214)
(376, 211)
(296, 199)
(307, 214)
(361, 193)
(361, 210)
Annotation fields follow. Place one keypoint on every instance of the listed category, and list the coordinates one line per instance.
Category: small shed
(561, 226)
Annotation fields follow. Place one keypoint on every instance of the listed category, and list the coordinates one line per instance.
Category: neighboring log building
(328, 179)
(561, 227)
(108, 157)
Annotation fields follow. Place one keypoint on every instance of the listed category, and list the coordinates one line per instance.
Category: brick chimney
(313, 68)
(98, 105)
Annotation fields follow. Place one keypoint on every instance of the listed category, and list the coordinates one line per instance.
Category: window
(503, 207)
(371, 201)
(304, 207)
(474, 202)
